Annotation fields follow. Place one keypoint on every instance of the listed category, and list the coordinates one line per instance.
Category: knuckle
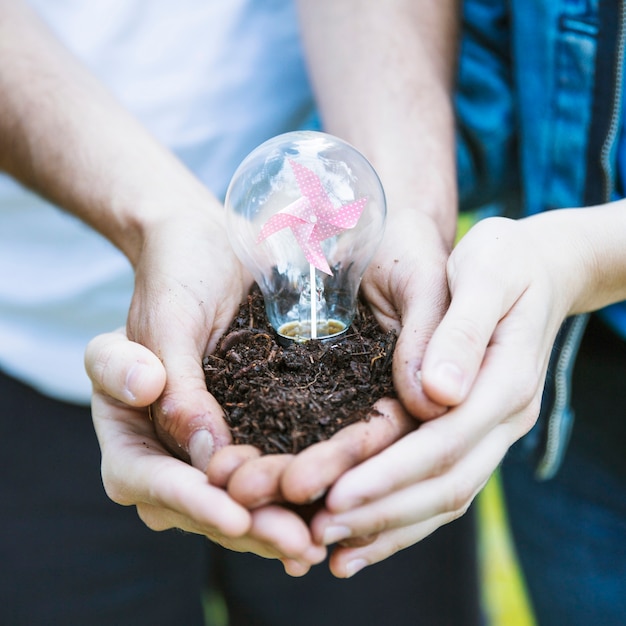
(458, 495)
(449, 447)
(374, 522)
(154, 522)
(467, 336)
(114, 487)
(383, 522)
(526, 398)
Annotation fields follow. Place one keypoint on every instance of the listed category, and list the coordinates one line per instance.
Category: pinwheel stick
(313, 301)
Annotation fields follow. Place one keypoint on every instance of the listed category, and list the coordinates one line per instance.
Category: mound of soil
(284, 398)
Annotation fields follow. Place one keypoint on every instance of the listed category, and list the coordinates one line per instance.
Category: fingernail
(315, 554)
(355, 566)
(316, 496)
(201, 449)
(134, 380)
(333, 534)
(451, 380)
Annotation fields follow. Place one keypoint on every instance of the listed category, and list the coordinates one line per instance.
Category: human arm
(63, 135)
(383, 80)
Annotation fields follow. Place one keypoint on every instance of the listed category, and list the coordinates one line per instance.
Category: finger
(345, 562)
(457, 348)
(171, 494)
(225, 461)
(187, 418)
(316, 468)
(275, 534)
(482, 292)
(124, 370)
(287, 534)
(257, 482)
(160, 518)
(448, 495)
(439, 444)
(418, 324)
(136, 469)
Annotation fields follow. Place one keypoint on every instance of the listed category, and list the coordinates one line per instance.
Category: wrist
(583, 249)
(169, 216)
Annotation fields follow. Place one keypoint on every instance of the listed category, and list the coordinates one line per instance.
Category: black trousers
(69, 556)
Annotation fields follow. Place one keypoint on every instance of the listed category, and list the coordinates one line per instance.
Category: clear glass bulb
(305, 213)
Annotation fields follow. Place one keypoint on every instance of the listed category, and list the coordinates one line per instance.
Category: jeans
(570, 532)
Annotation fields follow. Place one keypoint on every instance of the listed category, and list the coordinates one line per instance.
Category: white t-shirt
(211, 79)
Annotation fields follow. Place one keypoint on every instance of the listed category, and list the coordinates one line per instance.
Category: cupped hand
(299, 482)
(167, 492)
(405, 286)
(188, 287)
(511, 287)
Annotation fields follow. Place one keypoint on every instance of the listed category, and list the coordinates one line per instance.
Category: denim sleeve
(486, 142)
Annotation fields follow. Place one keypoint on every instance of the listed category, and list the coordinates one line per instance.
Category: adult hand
(188, 287)
(511, 284)
(405, 285)
(168, 493)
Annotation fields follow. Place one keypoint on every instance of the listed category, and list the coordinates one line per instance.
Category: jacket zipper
(616, 114)
(558, 421)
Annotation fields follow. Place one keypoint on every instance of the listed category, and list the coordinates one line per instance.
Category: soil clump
(284, 398)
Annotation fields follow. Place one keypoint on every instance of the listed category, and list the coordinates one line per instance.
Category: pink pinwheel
(313, 218)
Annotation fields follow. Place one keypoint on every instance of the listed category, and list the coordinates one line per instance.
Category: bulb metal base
(301, 331)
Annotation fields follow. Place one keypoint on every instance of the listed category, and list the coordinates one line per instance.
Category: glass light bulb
(305, 213)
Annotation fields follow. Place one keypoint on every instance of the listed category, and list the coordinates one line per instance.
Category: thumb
(407, 366)
(187, 418)
(124, 370)
(458, 346)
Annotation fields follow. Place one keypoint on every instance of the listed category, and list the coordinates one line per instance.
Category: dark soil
(283, 399)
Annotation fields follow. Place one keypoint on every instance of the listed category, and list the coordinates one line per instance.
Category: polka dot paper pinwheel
(313, 218)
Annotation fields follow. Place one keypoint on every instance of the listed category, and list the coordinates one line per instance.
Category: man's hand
(168, 493)
(188, 288)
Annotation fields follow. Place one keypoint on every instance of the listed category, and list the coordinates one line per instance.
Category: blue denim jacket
(539, 118)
